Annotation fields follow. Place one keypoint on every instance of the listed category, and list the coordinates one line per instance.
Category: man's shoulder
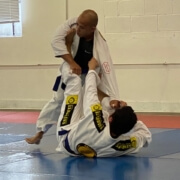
(102, 36)
(72, 21)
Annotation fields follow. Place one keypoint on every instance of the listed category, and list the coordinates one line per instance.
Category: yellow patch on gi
(133, 142)
(98, 117)
(71, 102)
(86, 151)
(72, 99)
(96, 107)
(125, 145)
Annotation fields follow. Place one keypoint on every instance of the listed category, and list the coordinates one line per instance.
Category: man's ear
(110, 119)
(93, 29)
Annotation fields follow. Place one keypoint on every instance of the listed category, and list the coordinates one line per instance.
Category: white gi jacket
(100, 52)
(90, 135)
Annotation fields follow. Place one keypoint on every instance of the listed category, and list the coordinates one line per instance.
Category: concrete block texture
(117, 24)
(176, 6)
(169, 22)
(131, 7)
(144, 23)
(111, 8)
(158, 6)
(145, 48)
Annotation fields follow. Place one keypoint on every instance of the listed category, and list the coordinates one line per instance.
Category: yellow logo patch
(73, 99)
(86, 151)
(125, 145)
(71, 102)
(98, 117)
(96, 107)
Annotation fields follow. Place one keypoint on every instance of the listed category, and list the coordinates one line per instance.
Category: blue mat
(8, 138)
(163, 143)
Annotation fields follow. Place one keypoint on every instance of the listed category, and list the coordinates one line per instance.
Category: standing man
(87, 42)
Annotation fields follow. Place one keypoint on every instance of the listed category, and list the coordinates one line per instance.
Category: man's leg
(71, 110)
(49, 116)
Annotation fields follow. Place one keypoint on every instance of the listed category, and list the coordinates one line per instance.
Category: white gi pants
(76, 107)
(74, 95)
(51, 111)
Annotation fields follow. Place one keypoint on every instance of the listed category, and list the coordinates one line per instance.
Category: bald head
(86, 24)
(90, 17)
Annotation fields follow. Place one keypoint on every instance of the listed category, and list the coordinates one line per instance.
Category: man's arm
(73, 65)
(143, 135)
(60, 47)
(91, 82)
(108, 79)
(68, 57)
(58, 42)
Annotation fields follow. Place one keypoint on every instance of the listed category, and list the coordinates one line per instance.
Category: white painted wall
(143, 37)
(29, 87)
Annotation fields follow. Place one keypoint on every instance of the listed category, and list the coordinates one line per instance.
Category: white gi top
(103, 144)
(100, 53)
(90, 135)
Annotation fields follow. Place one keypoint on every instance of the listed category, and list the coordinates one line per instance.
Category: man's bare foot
(35, 139)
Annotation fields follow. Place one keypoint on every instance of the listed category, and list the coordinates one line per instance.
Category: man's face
(84, 29)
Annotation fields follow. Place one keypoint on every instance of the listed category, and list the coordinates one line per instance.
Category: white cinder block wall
(143, 37)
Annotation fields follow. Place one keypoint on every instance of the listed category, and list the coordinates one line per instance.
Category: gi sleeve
(106, 106)
(101, 52)
(142, 134)
(58, 42)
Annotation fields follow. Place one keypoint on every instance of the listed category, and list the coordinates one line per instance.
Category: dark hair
(123, 121)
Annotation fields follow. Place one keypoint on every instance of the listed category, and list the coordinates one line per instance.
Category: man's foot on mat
(35, 139)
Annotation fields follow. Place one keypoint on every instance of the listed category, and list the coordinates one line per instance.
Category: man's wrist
(68, 58)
